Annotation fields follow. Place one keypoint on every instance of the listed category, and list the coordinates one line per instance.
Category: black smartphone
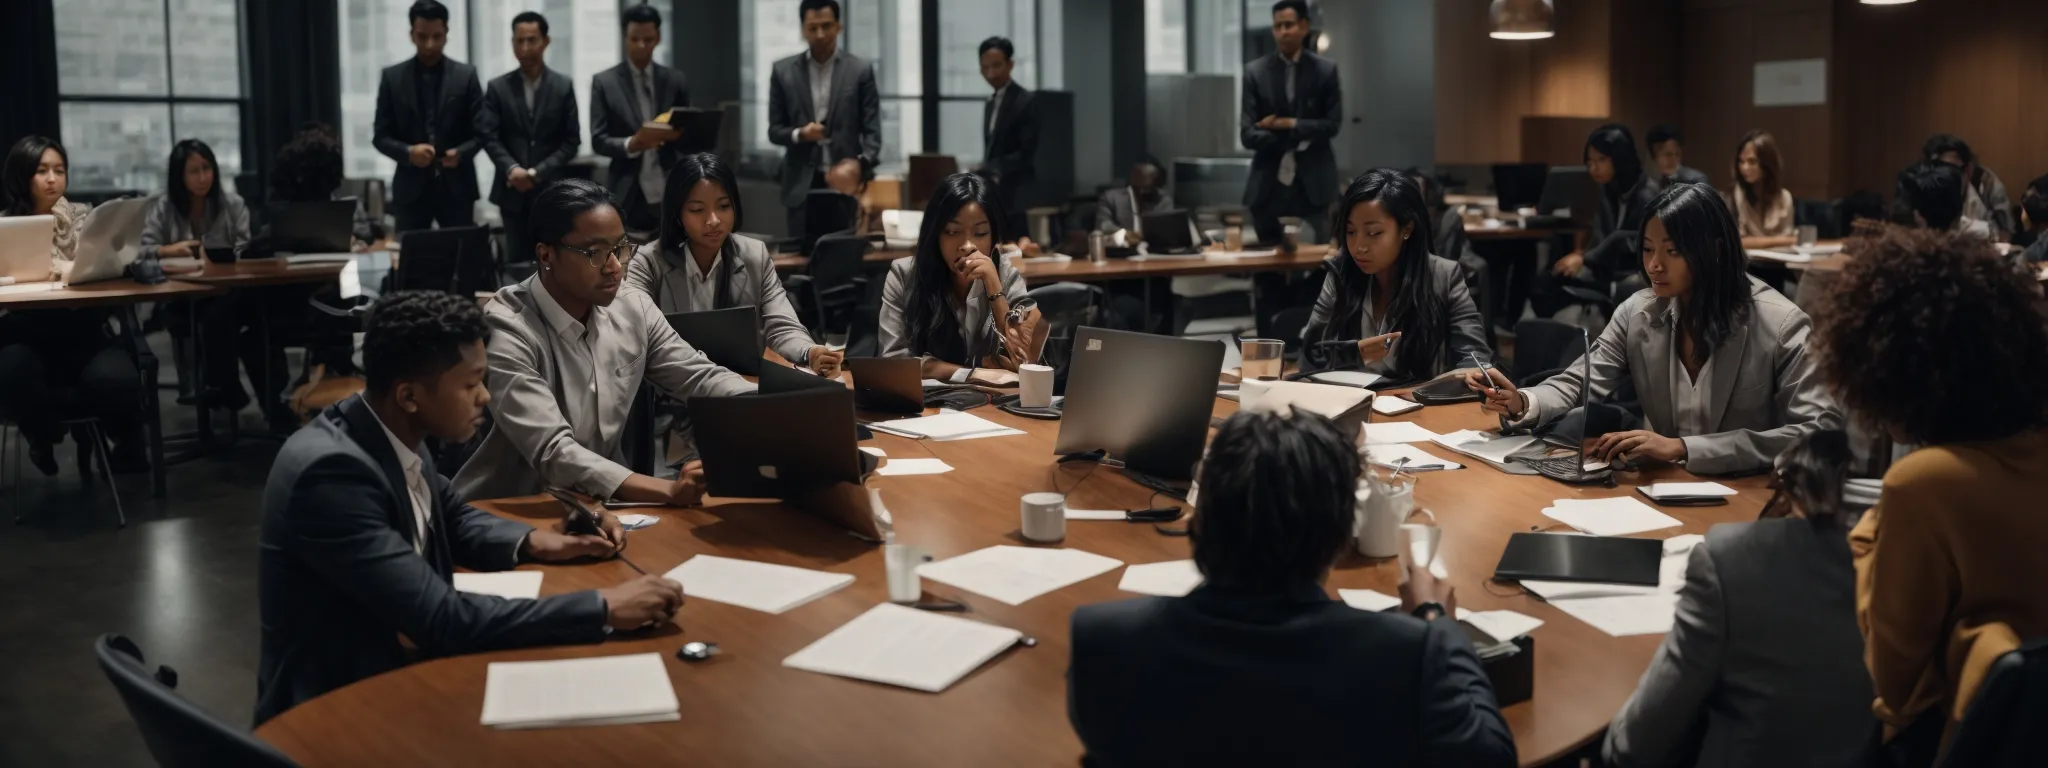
(580, 520)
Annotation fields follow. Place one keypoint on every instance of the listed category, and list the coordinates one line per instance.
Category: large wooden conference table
(1085, 271)
(744, 708)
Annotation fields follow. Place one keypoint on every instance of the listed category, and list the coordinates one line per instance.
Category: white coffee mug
(1034, 385)
(901, 562)
(1045, 516)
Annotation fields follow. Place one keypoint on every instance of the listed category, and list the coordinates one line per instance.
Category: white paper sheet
(904, 646)
(633, 522)
(606, 690)
(1096, 514)
(1502, 625)
(945, 425)
(1348, 378)
(1391, 432)
(1624, 615)
(1781, 256)
(873, 451)
(765, 587)
(1618, 516)
(913, 467)
(1173, 578)
(1666, 490)
(507, 584)
(1389, 405)
(1418, 461)
(1016, 574)
(1368, 599)
(1485, 446)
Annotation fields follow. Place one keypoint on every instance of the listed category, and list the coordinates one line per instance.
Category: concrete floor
(180, 580)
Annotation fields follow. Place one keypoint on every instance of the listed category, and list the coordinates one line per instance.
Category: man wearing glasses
(567, 354)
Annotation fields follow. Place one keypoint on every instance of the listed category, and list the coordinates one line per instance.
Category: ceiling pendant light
(1886, 2)
(1521, 20)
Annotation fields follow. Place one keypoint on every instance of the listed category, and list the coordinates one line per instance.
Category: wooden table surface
(259, 272)
(100, 294)
(744, 708)
(1082, 270)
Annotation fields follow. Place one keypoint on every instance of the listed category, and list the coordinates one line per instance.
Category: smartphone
(580, 520)
(1486, 374)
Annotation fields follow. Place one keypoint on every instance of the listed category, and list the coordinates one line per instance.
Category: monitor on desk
(1518, 185)
(1141, 399)
(1571, 188)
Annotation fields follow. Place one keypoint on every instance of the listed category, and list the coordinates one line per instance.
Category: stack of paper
(914, 467)
(945, 425)
(1173, 578)
(1492, 449)
(1619, 609)
(1390, 456)
(607, 690)
(764, 587)
(1359, 379)
(1016, 574)
(1662, 491)
(1328, 400)
(1617, 516)
(1390, 405)
(507, 584)
(1391, 432)
(904, 646)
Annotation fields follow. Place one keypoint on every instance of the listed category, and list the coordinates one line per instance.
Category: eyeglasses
(597, 258)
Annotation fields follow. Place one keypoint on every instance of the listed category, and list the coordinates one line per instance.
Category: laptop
(319, 226)
(744, 442)
(731, 337)
(1142, 399)
(1518, 185)
(110, 241)
(887, 384)
(25, 248)
(1572, 468)
(1170, 232)
(1570, 557)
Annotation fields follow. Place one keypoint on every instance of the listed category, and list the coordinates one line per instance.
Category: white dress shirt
(701, 285)
(1689, 394)
(576, 363)
(651, 176)
(821, 102)
(415, 485)
(995, 109)
(532, 89)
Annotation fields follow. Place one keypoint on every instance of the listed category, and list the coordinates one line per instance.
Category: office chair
(926, 171)
(833, 284)
(2001, 726)
(1066, 308)
(1287, 325)
(1542, 348)
(826, 213)
(179, 734)
(458, 261)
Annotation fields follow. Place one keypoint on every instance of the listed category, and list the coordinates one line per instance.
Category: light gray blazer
(896, 307)
(664, 278)
(531, 447)
(225, 228)
(1764, 663)
(1765, 390)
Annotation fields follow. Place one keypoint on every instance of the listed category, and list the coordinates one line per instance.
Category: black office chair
(1066, 308)
(179, 734)
(1819, 214)
(1287, 325)
(458, 261)
(2002, 725)
(833, 284)
(826, 213)
(1542, 348)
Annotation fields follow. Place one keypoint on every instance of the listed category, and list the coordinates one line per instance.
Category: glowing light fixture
(1886, 2)
(1521, 20)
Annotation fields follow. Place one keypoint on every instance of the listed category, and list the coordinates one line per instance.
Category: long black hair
(182, 197)
(19, 173)
(1704, 231)
(681, 179)
(1417, 310)
(1614, 141)
(930, 320)
(1277, 500)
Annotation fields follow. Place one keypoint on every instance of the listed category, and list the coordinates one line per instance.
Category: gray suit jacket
(1764, 664)
(1318, 112)
(531, 447)
(852, 129)
(1766, 393)
(542, 140)
(163, 224)
(664, 278)
(896, 334)
(1114, 209)
(1340, 309)
(338, 580)
(615, 114)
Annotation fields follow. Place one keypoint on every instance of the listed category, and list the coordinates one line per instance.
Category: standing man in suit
(621, 100)
(530, 128)
(1009, 144)
(823, 108)
(426, 120)
(361, 534)
(1293, 106)
(1167, 680)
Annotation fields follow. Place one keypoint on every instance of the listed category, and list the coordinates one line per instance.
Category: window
(769, 32)
(886, 32)
(125, 95)
(584, 38)
(1166, 37)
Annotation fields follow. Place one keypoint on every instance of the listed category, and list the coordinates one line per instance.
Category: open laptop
(1170, 232)
(887, 384)
(319, 226)
(25, 248)
(747, 452)
(1518, 185)
(731, 337)
(1571, 468)
(110, 241)
(1142, 399)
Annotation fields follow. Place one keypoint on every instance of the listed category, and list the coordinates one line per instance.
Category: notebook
(606, 690)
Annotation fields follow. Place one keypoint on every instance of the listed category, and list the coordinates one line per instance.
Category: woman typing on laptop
(1408, 311)
(952, 303)
(70, 351)
(1718, 358)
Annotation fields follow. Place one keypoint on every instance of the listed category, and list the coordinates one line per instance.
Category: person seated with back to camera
(568, 352)
(1258, 666)
(951, 303)
(1408, 311)
(701, 263)
(1718, 359)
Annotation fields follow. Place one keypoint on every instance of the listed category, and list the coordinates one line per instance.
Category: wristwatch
(1429, 611)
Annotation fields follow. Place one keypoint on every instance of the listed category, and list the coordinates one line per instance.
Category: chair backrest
(1066, 308)
(827, 213)
(1544, 345)
(926, 171)
(2002, 725)
(643, 448)
(178, 733)
(456, 260)
(836, 260)
(1819, 214)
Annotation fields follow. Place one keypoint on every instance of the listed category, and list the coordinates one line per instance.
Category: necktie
(416, 491)
(650, 163)
(1286, 172)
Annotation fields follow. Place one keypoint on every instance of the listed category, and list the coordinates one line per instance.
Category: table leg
(153, 421)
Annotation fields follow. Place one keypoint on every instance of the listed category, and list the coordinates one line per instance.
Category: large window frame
(170, 100)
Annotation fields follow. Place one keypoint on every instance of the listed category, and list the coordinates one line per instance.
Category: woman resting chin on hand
(952, 302)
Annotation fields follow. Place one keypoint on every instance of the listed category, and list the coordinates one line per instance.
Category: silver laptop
(25, 248)
(110, 241)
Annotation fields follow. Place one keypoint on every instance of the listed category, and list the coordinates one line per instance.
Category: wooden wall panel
(1482, 88)
(1722, 41)
(1571, 70)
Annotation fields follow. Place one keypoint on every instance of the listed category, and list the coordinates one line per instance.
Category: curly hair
(308, 167)
(1276, 504)
(417, 334)
(1932, 338)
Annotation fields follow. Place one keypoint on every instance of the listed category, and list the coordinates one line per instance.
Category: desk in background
(744, 707)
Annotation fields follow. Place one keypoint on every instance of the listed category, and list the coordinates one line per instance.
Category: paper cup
(1044, 517)
(1034, 385)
